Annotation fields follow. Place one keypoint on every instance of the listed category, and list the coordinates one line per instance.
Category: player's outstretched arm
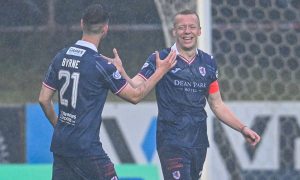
(134, 82)
(224, 114)
(136, 94)
(45, 100)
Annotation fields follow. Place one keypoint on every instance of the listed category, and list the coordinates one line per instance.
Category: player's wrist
(243, 129)
(161, 70)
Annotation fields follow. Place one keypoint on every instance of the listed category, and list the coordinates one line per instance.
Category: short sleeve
(215, 72)
(51, 80)
(148, 68)
(112, 77)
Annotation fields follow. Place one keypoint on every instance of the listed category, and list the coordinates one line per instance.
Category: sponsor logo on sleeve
(176, 174)
(114, 178)
(200, 173)
(75, 51)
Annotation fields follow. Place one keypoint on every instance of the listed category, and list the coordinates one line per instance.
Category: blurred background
(256, 44)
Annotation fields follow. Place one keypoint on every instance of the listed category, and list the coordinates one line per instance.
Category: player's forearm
(144, 88)
(133, 83)
(226, 116)
(223, 112)
(45, 100)
(48, 109)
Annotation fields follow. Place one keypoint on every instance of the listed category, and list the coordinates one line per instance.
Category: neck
(187, 54)
(92, 39)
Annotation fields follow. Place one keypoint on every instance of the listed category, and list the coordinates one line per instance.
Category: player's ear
(174, 31)
(105, 29)
(199, 31)
(81, 24)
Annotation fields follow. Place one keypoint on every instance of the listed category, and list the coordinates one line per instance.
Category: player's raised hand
(167, 63)
(116, 60)
(251, 137)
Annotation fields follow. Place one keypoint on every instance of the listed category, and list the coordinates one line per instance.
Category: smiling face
(186, 30)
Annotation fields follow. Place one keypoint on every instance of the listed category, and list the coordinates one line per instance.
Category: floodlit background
(256, 44)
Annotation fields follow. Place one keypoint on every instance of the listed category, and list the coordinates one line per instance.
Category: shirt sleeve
(215, 72)
(112, 77)
(51, 80)
(214, 85)
(148, 68)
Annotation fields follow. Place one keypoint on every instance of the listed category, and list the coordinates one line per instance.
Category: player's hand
(251, 137)
(116, 61)
(166, 64)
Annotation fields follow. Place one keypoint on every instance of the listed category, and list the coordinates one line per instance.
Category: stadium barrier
(12, 134)
(128, 136)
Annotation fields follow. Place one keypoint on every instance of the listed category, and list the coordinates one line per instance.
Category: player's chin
(189, 47)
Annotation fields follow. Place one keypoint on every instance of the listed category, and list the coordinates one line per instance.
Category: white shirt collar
(174, 47)
(87, 44)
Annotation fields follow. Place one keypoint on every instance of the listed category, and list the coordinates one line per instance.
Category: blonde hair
(186, 12)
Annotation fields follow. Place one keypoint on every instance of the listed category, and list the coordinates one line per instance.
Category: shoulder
(59, 56)
(67, 51)
(151, 60)
(102, 64)
(164, 53)
(205, 55)
(61, 52)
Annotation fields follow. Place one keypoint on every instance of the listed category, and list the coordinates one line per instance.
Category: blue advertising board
(38, 135)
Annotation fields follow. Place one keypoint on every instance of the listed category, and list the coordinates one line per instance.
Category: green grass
(44, 171)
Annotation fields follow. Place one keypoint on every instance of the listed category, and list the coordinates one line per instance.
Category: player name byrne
(72, 63)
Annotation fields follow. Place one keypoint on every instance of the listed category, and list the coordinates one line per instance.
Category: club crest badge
(202, 70)
(117, 75)
(114, 178)
(176, 174)
(200, 173)
(145, 65)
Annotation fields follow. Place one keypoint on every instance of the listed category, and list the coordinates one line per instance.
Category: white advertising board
(128, 136)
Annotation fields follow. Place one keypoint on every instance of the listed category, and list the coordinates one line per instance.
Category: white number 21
(67, 76)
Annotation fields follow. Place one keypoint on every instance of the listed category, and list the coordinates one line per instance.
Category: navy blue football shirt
(82, 78)
(181, 98)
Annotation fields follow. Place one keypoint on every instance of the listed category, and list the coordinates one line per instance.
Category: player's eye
(181, 27)
(192, 27)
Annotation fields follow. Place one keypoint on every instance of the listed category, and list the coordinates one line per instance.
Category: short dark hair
(94, 16)
(186, 12)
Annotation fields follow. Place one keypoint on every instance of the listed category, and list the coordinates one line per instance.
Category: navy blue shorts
(181, 163)
(83, 168)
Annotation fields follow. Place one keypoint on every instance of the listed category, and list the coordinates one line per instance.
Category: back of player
(82, 79)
